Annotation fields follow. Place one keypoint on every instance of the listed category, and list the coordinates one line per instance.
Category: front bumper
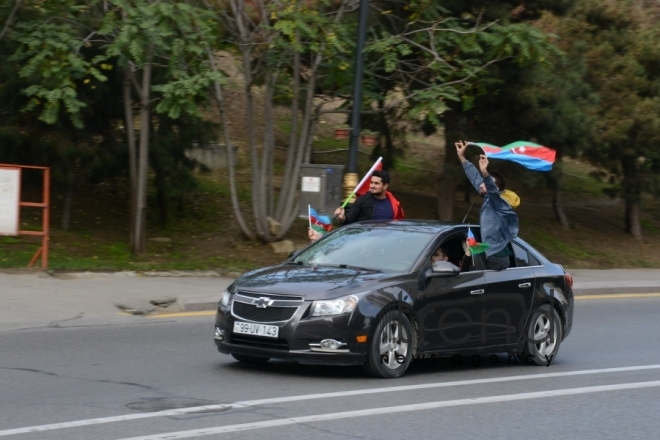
(297, 338)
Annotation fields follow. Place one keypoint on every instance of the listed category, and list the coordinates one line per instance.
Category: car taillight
(569, 279)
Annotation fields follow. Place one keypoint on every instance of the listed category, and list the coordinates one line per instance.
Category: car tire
(542, 353)
(389, 356)
(250, 359)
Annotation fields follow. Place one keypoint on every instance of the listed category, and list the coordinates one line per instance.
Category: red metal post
(46, 220)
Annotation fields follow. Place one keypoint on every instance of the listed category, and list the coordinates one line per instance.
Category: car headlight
(337, 306)
(225, 299)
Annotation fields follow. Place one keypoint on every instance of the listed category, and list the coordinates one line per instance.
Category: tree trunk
(68, 198)
(557, 203)
(159, 181)
(10, 19)
(245, 35)
(293, 135)
(266, 154)
(132, 158)
(451, 170)
(633, 224)
(632, 194)
(139, 244)
(219, 97)
(291, 185)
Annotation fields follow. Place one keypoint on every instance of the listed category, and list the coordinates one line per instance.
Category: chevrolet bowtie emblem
(263, 302)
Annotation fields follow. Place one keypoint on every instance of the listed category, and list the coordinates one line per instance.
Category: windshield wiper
(348, 266)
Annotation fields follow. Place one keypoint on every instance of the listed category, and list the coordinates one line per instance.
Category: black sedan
(370, 294)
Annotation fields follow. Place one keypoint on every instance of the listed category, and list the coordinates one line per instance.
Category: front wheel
(544, 335)
(390, 349)
(250, 359)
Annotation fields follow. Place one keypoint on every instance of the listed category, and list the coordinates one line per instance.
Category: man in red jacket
(377, 204)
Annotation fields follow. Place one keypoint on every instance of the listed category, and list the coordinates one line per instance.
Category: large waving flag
(528, 154)
(475, 247)
(320, 223)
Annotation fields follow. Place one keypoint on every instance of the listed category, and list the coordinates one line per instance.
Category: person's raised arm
(460, 150)
(470, 170)
(489, 182)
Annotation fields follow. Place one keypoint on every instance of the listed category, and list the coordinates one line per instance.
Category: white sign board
(311, 184)
(10, 198)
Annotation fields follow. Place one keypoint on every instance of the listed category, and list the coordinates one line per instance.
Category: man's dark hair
(499, 180)
(384, 176)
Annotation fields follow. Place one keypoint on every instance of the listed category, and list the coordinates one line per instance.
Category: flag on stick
(475, 247)
(320, 223)
(363, 186)
(528, 154)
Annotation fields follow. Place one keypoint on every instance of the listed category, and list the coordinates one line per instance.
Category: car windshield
(373, 248)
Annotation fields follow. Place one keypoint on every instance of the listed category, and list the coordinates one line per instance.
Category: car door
(449, 308)
(447, 311)
(508, 295)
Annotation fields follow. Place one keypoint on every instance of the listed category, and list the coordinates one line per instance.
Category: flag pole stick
(359, 185)
(309, 215)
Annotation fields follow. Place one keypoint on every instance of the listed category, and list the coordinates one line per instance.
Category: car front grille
(271, 296)
(257, 314)
(252, 341)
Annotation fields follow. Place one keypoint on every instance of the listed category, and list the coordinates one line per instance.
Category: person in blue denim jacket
(498, 221)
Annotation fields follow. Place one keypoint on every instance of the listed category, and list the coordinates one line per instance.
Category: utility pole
(351, 176)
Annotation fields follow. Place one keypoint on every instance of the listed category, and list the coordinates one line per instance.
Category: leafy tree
(623, 63)
(283, 45)
(507, 36)
(548, 103)
(137, 37)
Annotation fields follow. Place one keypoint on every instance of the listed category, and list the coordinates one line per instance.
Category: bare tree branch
(10, 19)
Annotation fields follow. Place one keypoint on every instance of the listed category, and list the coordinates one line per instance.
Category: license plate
(246, 328)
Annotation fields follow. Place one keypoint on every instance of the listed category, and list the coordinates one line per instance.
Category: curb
(603, 288)
(201, 303)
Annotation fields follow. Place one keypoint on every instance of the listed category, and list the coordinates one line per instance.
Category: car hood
(312, 282)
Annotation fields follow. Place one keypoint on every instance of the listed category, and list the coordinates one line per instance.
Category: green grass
(577, 181)
(548, 243)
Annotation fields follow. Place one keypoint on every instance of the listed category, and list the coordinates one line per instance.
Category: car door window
(452, 247)
(522, 257)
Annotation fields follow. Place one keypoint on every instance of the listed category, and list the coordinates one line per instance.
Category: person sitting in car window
(440, 254)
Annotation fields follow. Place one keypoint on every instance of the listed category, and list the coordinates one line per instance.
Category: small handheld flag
(320, 223)
(528, 154)
(475, 247)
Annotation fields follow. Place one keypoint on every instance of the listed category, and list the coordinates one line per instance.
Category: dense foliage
(119, 89)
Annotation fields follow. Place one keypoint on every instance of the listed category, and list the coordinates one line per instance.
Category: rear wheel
(544, 335)
(390, 349)
(250, 359)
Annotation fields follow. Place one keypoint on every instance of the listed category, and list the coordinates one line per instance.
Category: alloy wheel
(393, 349)
(542, 329)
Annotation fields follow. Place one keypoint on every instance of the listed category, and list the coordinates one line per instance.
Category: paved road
(108, 369)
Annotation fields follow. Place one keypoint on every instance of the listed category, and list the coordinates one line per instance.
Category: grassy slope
(205, 235)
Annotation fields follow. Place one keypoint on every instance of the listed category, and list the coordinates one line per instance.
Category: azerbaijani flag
(320, 223)
(528, 154)
(475, 247)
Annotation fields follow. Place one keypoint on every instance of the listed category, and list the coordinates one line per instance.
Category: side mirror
(294, 254)
(443, 269)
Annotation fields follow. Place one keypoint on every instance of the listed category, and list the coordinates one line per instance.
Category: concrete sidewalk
(598, 282)
(36, 297)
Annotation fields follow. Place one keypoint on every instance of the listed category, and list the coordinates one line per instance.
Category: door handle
(477, 292)
(524, 285)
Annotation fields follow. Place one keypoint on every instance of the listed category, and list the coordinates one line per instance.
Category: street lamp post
(351, 176)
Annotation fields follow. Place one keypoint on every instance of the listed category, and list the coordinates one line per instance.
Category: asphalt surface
(105, 369)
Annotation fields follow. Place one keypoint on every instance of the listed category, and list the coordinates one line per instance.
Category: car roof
(429, 226)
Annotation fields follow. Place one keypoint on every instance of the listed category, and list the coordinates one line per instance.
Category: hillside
(204, 235)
